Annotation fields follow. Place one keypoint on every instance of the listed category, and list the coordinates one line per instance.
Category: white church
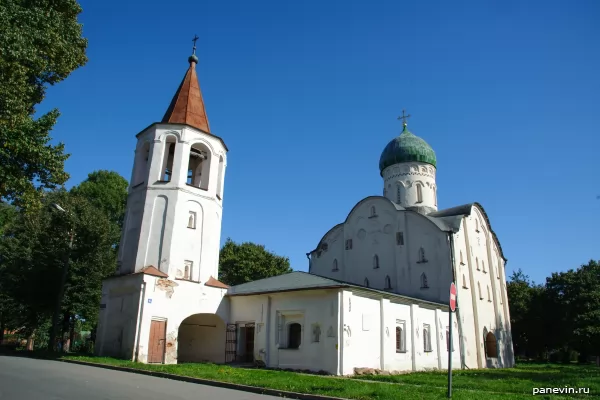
(376, 294)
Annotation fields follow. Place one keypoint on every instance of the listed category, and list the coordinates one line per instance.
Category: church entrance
(201, 338)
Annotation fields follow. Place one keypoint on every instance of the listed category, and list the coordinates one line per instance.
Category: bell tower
(175, 203)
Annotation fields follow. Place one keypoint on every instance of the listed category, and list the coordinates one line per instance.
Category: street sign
(452, 297)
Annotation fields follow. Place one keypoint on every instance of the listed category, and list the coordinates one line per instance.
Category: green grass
(506, 384)
(519, 380)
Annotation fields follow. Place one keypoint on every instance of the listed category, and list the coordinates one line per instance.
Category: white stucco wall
(401, 180)
(274, 312)
(376, 235)
(156, 230)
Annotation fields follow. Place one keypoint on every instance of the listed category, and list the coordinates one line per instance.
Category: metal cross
(194, 40)
(404, 117)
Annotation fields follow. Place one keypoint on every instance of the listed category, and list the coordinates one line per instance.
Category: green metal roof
(406, 148)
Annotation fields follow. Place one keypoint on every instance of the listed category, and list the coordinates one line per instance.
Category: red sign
(452, 297)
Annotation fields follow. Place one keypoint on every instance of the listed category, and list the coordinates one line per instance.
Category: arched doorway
(491, 345)
(201, 338)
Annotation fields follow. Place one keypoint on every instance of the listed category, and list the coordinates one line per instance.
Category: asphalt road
(30, 379)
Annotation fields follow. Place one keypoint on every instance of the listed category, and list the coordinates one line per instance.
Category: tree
(107, 191)
(246, 262)
(41, 43)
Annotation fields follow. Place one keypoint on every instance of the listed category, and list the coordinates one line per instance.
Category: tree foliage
(560, 317)
(35, 246)
(246, 262)
(41, 43)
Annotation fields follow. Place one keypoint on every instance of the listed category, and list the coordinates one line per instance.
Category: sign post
(450, 340)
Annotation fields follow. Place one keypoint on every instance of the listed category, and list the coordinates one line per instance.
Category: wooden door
(156, 344)
(249, 343)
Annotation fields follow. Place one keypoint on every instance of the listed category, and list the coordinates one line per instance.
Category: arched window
(476, 225)
(479, 288)
(489, 294)
(424, 284)
(373, 211)
(192, 220)
(388, 282)
(142, 156)
(426, 338)
(462, 261)
(419, 193)
(491, 344)
(464, 282)
(375, 261)
(168, 156)
(220, 178)
(199, 166)
(399, 194)
(483, 265)
(294, 335)
(477, 263)
(366, 282)
(335, 265)
(422, 258)
(400, 346)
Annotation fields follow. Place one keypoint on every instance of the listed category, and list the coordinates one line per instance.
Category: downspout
(138, 332)
(461, 347)
(268, 333)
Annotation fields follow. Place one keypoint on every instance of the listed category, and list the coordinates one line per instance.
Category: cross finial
(404, 117)
(194, 40)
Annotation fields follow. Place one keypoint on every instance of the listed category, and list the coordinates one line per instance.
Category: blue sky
(306, 95)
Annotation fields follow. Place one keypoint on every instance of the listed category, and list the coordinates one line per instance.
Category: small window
(399, 194)
(434, 196)
(489, 294)
(483, 266)
(388, 282)
(424, 284)
(187, 270)
(400, 238)
(464, 282)
(479, 289)
(373, 211)
(426, 338)
(462, 260)
(375, 261)
(366, 282)
(476, 225)
(348, 244)
(419, 193)
(192, 220)
(448, 340)
(294, 335)
(400, 336)
(477, 263)
(335, 265)
(422, 258)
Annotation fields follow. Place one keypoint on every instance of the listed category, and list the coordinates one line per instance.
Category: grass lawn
(516, 383)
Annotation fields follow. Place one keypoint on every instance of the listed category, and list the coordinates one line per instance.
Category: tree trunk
(72, 333)
(63, 335)
(30, 338)
(2, 327)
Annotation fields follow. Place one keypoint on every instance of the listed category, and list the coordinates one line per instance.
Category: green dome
(405, 148)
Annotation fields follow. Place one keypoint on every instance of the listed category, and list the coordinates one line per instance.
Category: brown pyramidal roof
(187, 106)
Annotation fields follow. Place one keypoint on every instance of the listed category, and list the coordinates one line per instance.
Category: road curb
(209, 382)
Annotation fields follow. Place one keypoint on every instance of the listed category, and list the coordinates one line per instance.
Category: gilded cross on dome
(404, 117)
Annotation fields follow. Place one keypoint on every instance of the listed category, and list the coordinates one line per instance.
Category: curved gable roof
(465, 210)
(444, 224)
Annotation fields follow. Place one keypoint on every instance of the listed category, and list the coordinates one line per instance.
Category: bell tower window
(169, 155)
(198, 171)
